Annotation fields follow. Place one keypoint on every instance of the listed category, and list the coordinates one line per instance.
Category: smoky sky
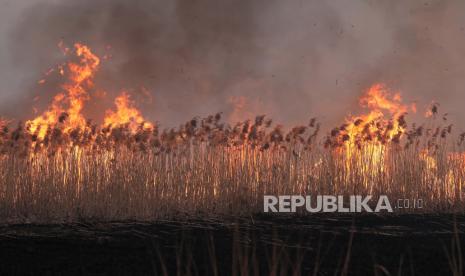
(291, 60)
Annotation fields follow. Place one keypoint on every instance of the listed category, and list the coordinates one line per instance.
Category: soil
(258, 245)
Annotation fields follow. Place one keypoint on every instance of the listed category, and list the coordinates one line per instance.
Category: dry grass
(211, 168)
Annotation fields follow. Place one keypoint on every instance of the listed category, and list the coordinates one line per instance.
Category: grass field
(62, 166)
(125, 197)
(206, 167)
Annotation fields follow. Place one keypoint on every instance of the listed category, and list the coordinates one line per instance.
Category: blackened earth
(255, 245)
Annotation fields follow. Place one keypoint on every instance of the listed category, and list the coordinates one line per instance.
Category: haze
(291, 60)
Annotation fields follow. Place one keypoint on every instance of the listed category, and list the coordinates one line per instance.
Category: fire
(447, 176)
(378, 98)
(374, 126)
(125, 114)
(364, 139)
(365, 154)
(384, 123)
(429, 160)
(67, 106)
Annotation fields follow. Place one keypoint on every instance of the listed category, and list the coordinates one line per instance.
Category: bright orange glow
(66, 106)
(125, 114)
(429, 160)
(374, 128)
(364, 139)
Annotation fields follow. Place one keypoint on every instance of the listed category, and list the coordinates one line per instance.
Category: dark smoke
(291, 59)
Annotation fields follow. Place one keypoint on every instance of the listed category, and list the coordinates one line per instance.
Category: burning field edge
(126, 197)
(62, 166)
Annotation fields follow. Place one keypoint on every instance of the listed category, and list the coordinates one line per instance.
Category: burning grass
(206, 166)
(62, 166)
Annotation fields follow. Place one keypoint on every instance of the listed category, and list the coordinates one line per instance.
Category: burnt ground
(259, 245)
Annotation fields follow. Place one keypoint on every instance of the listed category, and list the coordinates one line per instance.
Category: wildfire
(363, 140)
(384, 123)
(66, 108)
(365, 136)
(374, 126)
(70, 163)
(125, 114)
(67, 105)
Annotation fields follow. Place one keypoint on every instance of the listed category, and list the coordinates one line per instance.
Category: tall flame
(364, 138)
(66, 106)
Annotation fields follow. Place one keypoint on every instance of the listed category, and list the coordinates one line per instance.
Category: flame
(364, 138)
(125, 114)
(447, 176)
(66, 106)
(374, 128)
(429, 160)
(377, 98)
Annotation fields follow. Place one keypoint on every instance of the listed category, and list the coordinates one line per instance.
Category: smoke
(290, 59)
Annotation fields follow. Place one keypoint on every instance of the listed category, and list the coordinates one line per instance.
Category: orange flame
(367, 135)
(66, 107)
(373, 126)
(377, 98)
(125, 114)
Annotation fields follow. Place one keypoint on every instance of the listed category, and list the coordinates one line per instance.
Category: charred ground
(258, 245)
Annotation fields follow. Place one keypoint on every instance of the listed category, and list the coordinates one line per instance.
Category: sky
(291, 60)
